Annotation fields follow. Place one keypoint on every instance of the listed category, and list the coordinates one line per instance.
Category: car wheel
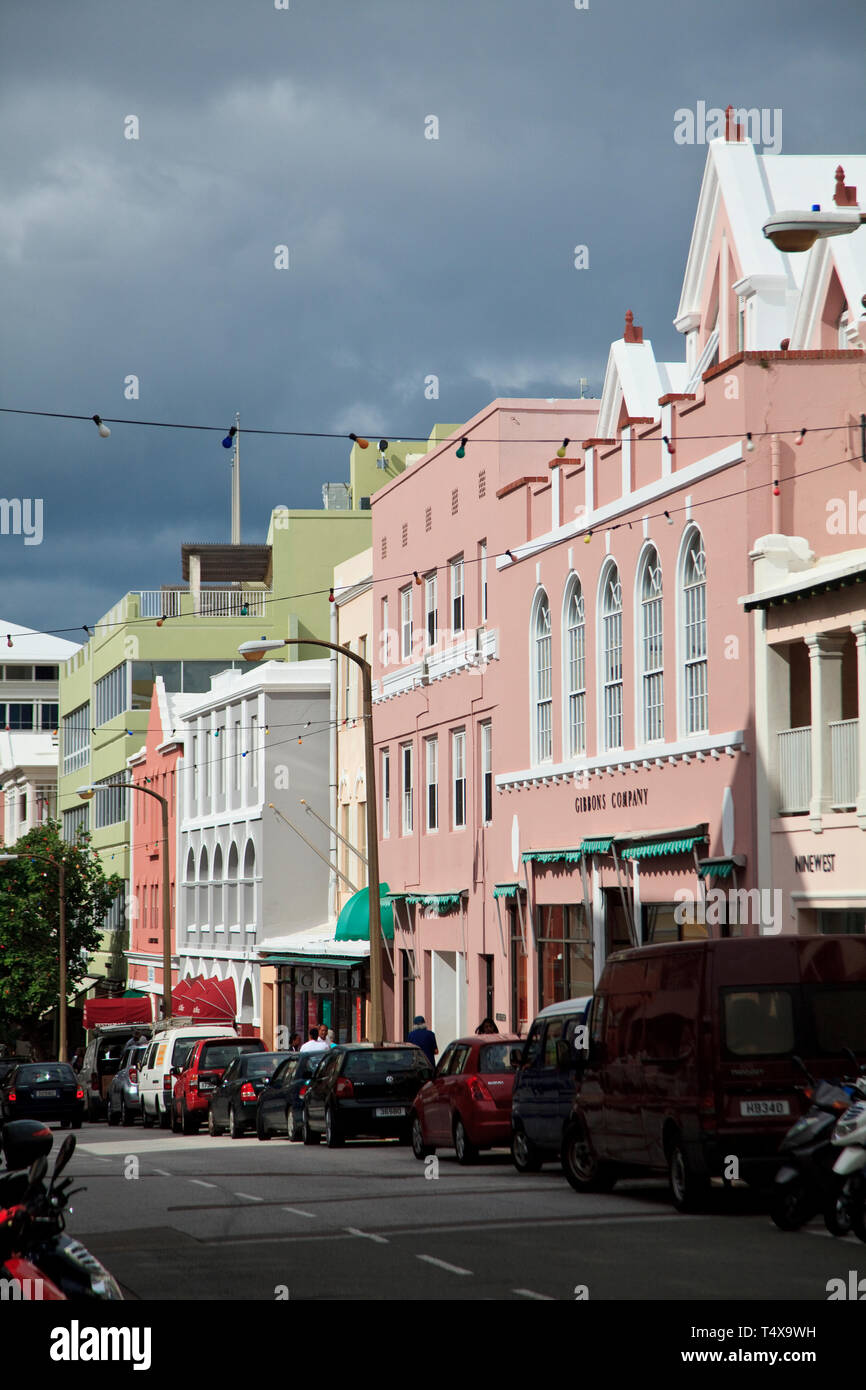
(213, 1128)
(236, 1130)
(175, 1119)
(262, 1131)
(689, 1189)
(146, 1117)
(333, 1138)
(189, 1124)
(419, 1148)
(464, 1148)
(164, 1117)
(310, 1136)
(791, 1206)
(294, 1129)
(524, 1155)
(113, 1117)
(579, 1164)
(126, 1115)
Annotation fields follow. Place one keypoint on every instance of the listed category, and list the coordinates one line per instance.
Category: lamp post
(798, 230)
(255, 651)
(86, 794)
(61, 893)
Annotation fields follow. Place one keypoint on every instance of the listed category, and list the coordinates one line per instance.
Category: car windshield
(759, 1023)
(495, 1058)
(110, 1049)
(33, 1074)
(261, 1064)
(220, 1054)
(376, 1064)
(182, 1049)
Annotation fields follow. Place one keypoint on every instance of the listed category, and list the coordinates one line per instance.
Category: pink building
(565, 673)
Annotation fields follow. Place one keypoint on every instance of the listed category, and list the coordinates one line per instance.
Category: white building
(259, 740)
(29, 684)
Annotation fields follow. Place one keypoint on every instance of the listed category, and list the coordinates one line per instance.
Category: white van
(163, 1063)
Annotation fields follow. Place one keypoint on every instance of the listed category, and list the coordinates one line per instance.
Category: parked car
(692, 1051)
(204, 1070)
(234, 1103)
(122, 1102)
(364, 1089)
(163, 1063)
(42, 1091)
(281, 1103)
(101, 1062)
(467, 1104)
(544, 1084)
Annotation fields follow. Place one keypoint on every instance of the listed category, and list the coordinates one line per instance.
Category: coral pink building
(565, 672)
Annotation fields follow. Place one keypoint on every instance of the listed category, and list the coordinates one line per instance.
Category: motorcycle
(33, 1244)
(847, 1208)
(806, 1183)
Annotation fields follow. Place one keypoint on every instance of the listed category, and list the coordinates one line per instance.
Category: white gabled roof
(38, 647)
(634, 375)
(23, 749)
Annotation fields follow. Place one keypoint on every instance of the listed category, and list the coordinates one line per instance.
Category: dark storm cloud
(408, 256)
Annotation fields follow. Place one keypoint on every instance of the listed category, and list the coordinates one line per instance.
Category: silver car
(122, 1102)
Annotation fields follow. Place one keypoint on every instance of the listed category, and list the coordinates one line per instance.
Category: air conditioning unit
(336, 497)
(365, 504)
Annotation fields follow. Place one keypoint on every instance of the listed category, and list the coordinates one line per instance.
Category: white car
(163, 1063)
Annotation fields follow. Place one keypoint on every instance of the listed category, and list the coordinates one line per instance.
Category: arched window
(203, 890)
(217, 876)
(611, 654)
(693, 581)
(542, 732)
(574, 650)
(232, 888)
(250, 885)
(189, 889)
(651, 653)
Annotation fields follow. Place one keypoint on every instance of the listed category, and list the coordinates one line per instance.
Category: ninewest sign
(600, 801)
(825, 863)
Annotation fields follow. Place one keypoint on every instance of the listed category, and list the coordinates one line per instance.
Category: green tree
(30, 923)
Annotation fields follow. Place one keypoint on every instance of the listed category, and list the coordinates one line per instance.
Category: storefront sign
(812, 863)
(619, 800)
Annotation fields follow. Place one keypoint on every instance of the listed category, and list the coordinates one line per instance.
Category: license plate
(384, 1112)
(764, 1107)
(47, 1095)
(206, 1086)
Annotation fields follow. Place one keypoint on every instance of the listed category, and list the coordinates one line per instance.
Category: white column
(825, 665)
(859, 630)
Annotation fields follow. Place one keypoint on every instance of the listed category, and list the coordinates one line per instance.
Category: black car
(42, 1091)
(235, 1100)
(8, 1064)
(281, 1103)
(364, 1089)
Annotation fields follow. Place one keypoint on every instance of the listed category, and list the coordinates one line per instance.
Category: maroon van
(692, 1056)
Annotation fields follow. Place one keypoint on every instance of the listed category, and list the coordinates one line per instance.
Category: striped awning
(440, 903)
(659, 849)
(600, 845)
(720, 868)
(550, 856)
(508, 890)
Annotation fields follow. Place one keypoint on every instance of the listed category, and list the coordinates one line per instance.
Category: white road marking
(443, 1264)
(247, 1198)
(162, 1173)
(367, 1235)
(296, 1211)
(530, 1293)
(199, 1182)
(146, 1147)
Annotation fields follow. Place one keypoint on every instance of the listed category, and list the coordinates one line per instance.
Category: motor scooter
(805, 1183)
(846, 1209)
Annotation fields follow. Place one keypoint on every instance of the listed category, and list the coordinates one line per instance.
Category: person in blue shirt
(422, 1037)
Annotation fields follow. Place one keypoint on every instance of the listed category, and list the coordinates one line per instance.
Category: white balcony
(213, 603)
(795, 770)
(843, 751)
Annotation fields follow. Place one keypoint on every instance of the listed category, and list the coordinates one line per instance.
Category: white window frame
(458, 596)
(406, 623)
(574, 671)
(407, 787)
(541, 677)
(610, 668)
(458, 779)
(486, 772)
(649, 635)
(431, 784)
(482, 566)
(692, 637)
(431, 608)
(386, 792)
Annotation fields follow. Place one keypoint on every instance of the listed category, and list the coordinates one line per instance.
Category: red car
(204, 1070)
(467, 1105)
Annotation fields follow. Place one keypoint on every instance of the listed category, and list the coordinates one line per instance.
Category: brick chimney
(733, 129)
(845, 196)
(633, 333)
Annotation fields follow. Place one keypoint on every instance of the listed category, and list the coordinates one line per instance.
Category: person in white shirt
(315, 1044)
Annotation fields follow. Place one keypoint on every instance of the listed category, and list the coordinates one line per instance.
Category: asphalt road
(177, 1217)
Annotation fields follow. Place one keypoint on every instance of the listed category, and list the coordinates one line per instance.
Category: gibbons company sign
(619, 800)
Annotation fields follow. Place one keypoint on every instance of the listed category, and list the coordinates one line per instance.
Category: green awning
(551, 856)
(601, 845)
(335, 962)
(657, 849)
(440, 903)
(508, 890)
(353, 923)
(716, 868)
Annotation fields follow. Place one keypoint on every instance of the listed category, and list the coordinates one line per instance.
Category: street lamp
(86, 794)
(61, 891)
(798, 230)
(255, 651)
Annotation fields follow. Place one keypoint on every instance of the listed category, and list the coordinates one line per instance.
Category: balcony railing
(213, 603)
(795, 770)
(843, 749)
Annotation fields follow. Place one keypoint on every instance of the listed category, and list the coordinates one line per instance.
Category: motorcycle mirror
(38, 1169)
(798, 1061)
(67, 1149)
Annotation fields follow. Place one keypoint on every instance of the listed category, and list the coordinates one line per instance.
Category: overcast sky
(409, 256)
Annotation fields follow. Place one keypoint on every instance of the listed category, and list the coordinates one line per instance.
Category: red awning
(117, 1011)
(206, 1000)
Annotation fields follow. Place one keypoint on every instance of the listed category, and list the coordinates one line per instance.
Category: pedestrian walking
(295, 1042)
(314, 1043)
(424, 1038)
(487, 1025)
